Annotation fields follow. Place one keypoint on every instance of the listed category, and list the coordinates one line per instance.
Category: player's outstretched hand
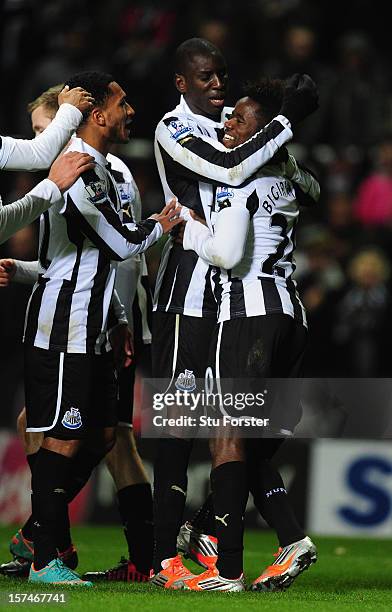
(7, 271)
(78, 97)
(169, 216)
(300, 98)
(67, 168)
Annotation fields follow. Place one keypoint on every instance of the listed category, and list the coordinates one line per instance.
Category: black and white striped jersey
(191, 162)
(132, 283)
(82, 239)
(254, 232)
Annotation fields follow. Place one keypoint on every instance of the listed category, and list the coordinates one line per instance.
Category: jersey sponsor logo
(72, 419)
(186, 381)
(178, 130)
(96, 192)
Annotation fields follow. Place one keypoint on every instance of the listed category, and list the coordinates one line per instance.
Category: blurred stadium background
(338, 486)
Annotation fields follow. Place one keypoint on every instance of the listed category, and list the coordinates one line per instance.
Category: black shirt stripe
(272, 301)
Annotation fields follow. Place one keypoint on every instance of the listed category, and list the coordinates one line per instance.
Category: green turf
(351, 574)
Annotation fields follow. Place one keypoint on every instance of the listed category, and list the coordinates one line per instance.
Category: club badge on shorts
(72, 419)
(186, 381)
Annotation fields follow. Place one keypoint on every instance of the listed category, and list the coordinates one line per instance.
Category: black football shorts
(260, 355)
(69, 394)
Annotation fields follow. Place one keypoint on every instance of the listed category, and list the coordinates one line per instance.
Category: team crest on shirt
(96, 191)
(186, 381)
(178, 130)
(72, 419)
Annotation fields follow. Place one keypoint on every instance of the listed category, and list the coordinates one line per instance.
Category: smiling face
(245, 121)
(118, 115)
(204, 84)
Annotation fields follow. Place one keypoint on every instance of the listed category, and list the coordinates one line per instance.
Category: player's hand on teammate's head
(169, 216)
(78, 97)
(67, 168)
(7, 271)
(300, 98)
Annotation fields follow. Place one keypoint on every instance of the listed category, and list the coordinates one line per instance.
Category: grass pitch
(351, 574)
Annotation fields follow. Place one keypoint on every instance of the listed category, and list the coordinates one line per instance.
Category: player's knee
(108, 439)
(226, 450)
(21, 423)
(68, 448)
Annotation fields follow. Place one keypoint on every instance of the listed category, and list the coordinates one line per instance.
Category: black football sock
(81, 468)
(31, 459)
(135, 506)
(50, 508)
(170, 487)
(204, 518)
(27, 529)
(230, 493)
(83, 464)
(270, 495)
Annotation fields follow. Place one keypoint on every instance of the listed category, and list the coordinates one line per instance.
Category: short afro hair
(268, 93)
(97, 83)
(189, 49)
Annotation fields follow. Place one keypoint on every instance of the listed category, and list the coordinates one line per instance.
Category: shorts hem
(187, 312)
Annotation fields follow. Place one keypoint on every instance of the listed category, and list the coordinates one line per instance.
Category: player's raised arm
(204, 158)
(39, 153)
(64, 172)
(88, 205)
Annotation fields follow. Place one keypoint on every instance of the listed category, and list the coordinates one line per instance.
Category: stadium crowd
(344, 247)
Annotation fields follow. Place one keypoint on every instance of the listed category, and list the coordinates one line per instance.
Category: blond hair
(48, 99)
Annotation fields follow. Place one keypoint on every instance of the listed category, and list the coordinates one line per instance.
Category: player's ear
(98, 116)
(180, 82)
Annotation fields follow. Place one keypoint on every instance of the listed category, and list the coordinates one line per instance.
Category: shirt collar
(200, 118)
(86, 148)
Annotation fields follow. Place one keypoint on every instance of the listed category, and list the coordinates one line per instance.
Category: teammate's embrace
(70, 387)
(38, 154)
(133, 489)
(260, 313)
(191, 160)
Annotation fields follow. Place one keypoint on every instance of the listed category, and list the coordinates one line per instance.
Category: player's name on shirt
(277, 190)
(261, 283)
